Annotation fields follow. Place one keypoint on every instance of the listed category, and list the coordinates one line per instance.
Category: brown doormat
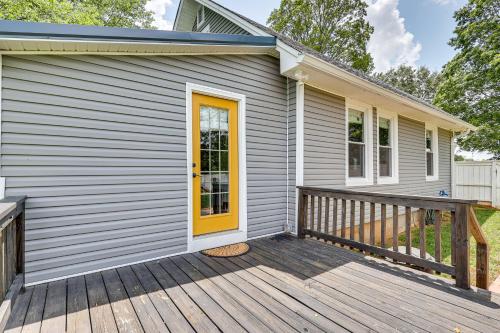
(232, 250)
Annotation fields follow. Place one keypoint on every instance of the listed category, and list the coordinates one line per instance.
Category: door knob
(195, 174)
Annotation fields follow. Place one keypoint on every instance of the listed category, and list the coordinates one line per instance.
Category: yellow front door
(215, 164)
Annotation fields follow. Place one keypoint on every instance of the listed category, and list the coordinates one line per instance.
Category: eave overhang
(23, 37)
(330, 78)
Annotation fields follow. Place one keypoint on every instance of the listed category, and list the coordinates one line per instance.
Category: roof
(50, 31)
(306, 50)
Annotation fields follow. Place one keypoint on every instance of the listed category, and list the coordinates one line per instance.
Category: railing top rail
(389, 196)
(10, 209)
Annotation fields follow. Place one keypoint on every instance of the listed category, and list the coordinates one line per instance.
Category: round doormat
(232, 250)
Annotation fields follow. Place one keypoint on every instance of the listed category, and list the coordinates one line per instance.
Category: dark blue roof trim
(20, 29)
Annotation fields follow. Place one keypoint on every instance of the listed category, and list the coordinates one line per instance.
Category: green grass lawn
(490, 223)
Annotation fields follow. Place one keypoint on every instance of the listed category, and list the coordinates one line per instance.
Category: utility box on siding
(477, 180)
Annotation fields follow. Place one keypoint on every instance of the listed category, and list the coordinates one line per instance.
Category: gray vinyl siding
(292, 104)
(219, 24)
(99, 146)
(325, 150)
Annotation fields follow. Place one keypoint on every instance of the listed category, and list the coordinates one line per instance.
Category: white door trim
(228, 237)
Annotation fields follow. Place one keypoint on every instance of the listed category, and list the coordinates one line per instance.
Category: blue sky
(406, 31)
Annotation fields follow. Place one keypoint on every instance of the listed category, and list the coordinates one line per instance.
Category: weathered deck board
(282, 285)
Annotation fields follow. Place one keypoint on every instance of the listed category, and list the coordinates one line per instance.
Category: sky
(414, 32)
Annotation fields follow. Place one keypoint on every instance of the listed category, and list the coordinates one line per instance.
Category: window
(359, 139)
(357, 144)
(431, 153)
(200, 16)
(387, 140)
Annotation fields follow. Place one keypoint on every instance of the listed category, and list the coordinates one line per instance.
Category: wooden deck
(282, 285)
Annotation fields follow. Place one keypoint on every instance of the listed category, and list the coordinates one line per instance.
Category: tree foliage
(471, 80)
(420, 82)
(336, 28)
(114, 13)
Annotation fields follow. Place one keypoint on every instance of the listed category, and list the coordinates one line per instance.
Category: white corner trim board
(2, 179)
(224, 238)
(299, 144)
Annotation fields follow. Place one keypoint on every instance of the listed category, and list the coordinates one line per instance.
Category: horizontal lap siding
(219, 24)
(99, 146)
(325, 150)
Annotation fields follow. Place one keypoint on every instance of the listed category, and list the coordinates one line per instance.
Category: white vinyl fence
(477, 180)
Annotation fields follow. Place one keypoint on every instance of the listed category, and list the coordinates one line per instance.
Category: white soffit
(47, 46)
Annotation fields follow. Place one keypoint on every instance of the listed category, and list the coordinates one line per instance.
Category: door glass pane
(214, 146)
(206, 183)
(205, 205)
(224, 203)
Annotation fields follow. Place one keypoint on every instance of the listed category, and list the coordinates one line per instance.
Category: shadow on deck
(282, 285)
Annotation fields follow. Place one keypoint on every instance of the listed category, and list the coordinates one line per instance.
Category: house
(133, 145)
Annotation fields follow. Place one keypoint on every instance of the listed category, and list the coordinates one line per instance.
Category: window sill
(387, 180)
(431, 178)
(358, 182)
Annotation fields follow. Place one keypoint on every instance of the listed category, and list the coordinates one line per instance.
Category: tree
(420, 82)
(336, 28)
(471, 80)
(115, 13)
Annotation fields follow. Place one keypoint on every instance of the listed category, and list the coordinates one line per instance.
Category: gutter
(324, 66)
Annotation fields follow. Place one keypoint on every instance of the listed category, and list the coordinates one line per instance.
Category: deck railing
(11, 242)
(339, 216)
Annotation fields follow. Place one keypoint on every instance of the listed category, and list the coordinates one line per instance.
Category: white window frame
(394, 140)
(201, 10)
(435, 152)
(368, 139)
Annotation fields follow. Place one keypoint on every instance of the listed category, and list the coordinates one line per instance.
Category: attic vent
(200, 16)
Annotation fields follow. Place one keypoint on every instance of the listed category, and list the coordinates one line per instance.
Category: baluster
(302, 214)
(343, 219)
(421, 218)
(395, 228)
(372, 223)
(2, 266)
(453, 239)
(313, 198)
(437, 236)
(382, 225)
(361, 221)
(353, 220)
(408, 229)
(335, 216)
(320, 204)
(327, 215)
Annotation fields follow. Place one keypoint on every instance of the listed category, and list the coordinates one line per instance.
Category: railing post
(301, 217)
(482, 260)
(462, 253)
